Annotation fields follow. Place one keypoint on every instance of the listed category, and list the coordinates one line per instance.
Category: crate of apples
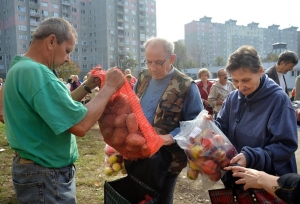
(208, 153)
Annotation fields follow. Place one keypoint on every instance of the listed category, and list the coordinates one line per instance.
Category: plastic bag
(124, 126)
(114, 163)
(207, 148)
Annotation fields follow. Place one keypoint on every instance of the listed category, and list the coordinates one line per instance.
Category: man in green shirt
(42, 117)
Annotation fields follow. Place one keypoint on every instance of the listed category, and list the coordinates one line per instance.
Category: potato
(134, 139)
(120, 120)
(107, 120)
(118, 136)
(131, 123)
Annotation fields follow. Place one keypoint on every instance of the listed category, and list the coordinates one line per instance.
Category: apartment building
(205, 40)
(109, 31)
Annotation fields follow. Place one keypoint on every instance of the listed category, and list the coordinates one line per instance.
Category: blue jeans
(37, 184)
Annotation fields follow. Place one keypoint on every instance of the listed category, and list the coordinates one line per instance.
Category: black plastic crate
(128, 190)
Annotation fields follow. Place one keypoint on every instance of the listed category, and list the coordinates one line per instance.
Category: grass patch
(89, 169)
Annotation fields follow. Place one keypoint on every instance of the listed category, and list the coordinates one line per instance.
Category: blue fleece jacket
(263, 127)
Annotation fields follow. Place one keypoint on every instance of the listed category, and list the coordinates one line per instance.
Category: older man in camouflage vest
(167, 97)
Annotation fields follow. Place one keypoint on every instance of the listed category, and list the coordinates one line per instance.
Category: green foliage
(272, 57)
(182, 60)
(67, 69)
(128, 63)
(219, 61)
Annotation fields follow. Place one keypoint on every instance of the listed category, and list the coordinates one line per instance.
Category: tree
(67, 69)
(219, 61)
(128, 62)
(271, 57)
(182, 60)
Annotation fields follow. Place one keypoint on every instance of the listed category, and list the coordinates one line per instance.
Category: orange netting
(124, 126)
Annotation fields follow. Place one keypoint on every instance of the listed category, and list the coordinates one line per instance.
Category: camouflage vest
(168, 113)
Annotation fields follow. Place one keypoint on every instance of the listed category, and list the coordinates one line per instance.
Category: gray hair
(246, 57)
(169, 46)
(56, 26)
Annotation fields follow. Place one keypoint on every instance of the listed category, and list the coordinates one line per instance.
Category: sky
(172, 15)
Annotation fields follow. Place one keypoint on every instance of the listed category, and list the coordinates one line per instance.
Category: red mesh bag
(124, 126)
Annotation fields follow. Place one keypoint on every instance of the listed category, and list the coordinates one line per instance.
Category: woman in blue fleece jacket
(258, 118)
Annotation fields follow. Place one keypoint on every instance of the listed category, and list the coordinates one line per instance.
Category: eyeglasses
(156, 64)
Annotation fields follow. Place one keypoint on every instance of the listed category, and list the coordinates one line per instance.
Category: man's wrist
(86, 88)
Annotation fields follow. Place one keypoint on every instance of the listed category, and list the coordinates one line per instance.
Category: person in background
(1, 82)
(297, 89)
(68, 84)
(285, 187)
(258, 118)
(204, 87)
(219, 91)
(42, 117)
(167, 97)
(133, 79)
(286, 62)
(129, 79)
(75, 83)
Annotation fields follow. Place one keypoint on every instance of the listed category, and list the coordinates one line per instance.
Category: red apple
(230, 150)
(207, 143)
(216, 176)
(199, 161)
(209, 167)
(192, 174)
(218, 140)
(224, 163)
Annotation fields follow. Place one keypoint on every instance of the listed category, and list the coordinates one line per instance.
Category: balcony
(34, 23)
(120, 11)
(34, 5)
(34, 14)
(66, 3)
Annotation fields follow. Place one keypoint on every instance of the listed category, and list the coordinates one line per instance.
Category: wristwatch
(87, 89)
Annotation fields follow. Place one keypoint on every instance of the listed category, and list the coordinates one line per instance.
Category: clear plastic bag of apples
(113, 163)
(207, 148)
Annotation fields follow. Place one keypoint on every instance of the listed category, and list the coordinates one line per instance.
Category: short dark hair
(245, 57)
(288, 57)
(56, 26)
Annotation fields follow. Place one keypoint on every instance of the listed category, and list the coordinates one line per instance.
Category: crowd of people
(253, 110)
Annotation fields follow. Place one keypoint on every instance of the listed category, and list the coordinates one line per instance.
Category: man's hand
(168, 139)
(239, 159)
(114, 79)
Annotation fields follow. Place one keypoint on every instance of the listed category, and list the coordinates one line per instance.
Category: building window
(45, 13)
(44, 4)
(22, 37)
(55, 6)
(1, 58)
(55, 15)
(21, 8)
(21, 27)
(22, 18)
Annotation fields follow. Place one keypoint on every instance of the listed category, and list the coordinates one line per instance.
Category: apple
(230, 150)
(218, 155)
(218, 140)
(192, 165)
(116, 166)
(216, 176)
(224, 163)
(196, 151)
(109, 150)
(108, 171)
(209, 167)
(207, 133)
(198, 161)
(112, 159)
(192, 174)
(207, 143)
